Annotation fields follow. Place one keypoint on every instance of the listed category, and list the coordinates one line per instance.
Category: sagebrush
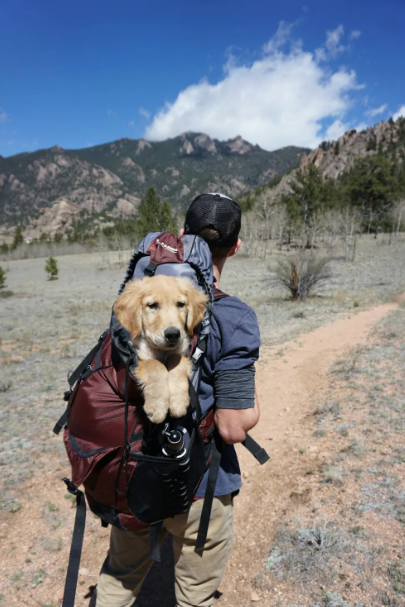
(302, 275)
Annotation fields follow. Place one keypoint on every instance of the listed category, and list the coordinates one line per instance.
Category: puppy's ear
(128, 308)
(197, 300)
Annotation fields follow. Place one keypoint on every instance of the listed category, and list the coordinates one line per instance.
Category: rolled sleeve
(235, 389)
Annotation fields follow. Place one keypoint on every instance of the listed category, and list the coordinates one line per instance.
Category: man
(228, 383)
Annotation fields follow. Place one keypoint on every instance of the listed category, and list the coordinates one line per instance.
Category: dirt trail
(287, 388)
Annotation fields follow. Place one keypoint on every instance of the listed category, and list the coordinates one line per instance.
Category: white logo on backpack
(166, 246)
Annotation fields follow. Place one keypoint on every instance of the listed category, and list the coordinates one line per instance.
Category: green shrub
(51, 268)
(2, 278)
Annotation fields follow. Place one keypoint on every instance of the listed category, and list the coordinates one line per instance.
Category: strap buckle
(71, 487)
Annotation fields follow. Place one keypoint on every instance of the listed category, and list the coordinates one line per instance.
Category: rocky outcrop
(142, 145)
(333, 158)
(44, 180)
(337, 157)
(55, 219)
(185, 191)
(126, 206)
(130, 169)
(187, 147)
(238, 145)
(205, 143)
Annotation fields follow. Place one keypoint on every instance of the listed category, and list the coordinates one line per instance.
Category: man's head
(217, 219)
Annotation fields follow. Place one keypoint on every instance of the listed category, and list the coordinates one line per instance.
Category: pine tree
(18, 237)
(153, 215)
(51, 268)
(308, 195)
(372, 188)
(2, 279)
(337, 148)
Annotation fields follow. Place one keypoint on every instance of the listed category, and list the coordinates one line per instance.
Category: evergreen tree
(18, 238)
(337, 148)
(4, 248)
(51, 268)
(371, 187)
(153, 215)
(2, 279)
(308, 195)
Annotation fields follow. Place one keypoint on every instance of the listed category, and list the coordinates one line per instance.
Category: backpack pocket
(84, 457)
(162, 487)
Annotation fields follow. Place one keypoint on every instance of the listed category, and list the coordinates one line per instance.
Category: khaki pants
(197, 574)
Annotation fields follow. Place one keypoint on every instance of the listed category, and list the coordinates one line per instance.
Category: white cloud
(3, 116)
(355, 34)
(378, 110)
(131, 123)
(280, 99)
(111, 113)
(336, 130)
(400, 113)
(362, 126)
(144, 113)
(11, 142)
(333, 38)
(280, 38)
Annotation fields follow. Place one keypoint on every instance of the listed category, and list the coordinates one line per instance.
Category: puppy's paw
(156, 410)
(179, 403)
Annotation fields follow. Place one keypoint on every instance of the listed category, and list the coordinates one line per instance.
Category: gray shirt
(233, 345)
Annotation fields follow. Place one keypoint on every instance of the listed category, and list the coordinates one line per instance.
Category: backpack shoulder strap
(218, 294)
(76, 547)
(77, 373)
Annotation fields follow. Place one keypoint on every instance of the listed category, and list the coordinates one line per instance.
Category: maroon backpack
(136, 473)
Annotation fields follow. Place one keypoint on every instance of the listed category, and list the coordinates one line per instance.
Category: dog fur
(151, 309)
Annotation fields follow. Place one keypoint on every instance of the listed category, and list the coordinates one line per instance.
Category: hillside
(334, 159)
(113, 177)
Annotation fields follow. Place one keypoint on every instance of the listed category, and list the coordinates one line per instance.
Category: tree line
(370, 198)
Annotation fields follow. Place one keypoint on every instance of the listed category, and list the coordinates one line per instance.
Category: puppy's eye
(180, 304)
(152, 306)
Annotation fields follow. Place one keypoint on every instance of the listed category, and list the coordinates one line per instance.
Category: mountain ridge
(114, 176)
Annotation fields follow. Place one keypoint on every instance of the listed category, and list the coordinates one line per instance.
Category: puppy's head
(163, 309)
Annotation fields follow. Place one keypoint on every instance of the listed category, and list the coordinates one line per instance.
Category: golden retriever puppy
(161, 313)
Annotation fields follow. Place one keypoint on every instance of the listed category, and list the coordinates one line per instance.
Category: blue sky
(277, 73)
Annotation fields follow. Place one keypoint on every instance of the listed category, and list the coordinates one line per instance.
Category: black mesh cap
(214, 211)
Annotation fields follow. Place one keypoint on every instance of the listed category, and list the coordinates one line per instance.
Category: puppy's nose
(172, 334)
